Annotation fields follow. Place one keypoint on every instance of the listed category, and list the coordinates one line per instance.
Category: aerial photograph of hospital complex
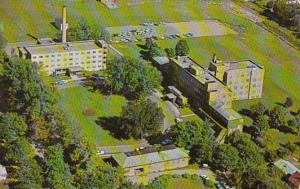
(150, 94)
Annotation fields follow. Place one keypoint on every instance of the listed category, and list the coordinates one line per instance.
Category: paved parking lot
(164, 30)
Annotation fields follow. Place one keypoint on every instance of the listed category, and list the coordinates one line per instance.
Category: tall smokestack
(64, 25)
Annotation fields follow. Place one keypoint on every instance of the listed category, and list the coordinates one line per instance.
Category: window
(41, 56)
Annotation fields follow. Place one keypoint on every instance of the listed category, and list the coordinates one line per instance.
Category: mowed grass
(76, 99)
(184, 184)
(281, 61)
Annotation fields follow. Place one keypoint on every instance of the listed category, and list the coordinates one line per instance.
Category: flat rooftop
(203, 75)
(149, 155)
(243, 64)
(227, 112)
(62, 47)
(286, 166)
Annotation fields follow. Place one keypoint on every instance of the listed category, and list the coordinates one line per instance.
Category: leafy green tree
(258, 109)
(187, 134)
(133, 76)
(12, 127)
(170, 52)
(283, 11)
(201, 152)
(3, 41)
(142, 118)
(261, 123)
(295, 123)
(250, 153)
(155, 50)
(57, 172)
(227, 158)
(26, 176)
(149, 42)
(279, 116)
(26, 93)
(182, 48)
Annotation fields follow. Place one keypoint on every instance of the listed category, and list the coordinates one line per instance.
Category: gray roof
(126, 161)
(161, 60)
(286, 166)
(62, 47)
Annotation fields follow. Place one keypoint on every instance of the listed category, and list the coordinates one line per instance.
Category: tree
(226, 158)
(57, 172)
(3, 41)
(261, 123)
(288, 102)
(155, 50)
(258, 109)
(142, 118)
(279, 117)
(283, 11)
(182, 48)
(26, 92)
(12, 127)
(27, 175)
(133, 76)
(149, 42)
(187, 134)
(170, 52)
(201, 153)
(295, 123)
(250, 153)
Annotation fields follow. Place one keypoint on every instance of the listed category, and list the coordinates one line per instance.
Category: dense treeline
(38, 146)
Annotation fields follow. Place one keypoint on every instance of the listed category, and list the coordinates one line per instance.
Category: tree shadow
(114, 125)
(142, 46)
(248, 113)
(144, 54)
(286, 129)
(280, 104)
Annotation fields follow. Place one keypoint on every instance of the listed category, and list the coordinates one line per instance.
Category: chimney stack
(64, 25)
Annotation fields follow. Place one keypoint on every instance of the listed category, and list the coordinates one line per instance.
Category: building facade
(73, 56)
(244, 78)
(208, 92)
(151, 159)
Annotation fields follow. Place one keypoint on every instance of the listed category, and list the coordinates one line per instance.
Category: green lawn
(75, 100)
(184, 184)
(34, 17)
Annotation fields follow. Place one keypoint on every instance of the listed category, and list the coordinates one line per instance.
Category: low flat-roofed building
(294, 180)
(286, 166)
(87, 55)
(151, 159)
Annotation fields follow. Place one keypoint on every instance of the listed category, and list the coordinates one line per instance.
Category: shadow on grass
(105, 89)
(114, 125)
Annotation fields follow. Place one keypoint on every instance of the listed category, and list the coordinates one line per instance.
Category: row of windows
(70, 54)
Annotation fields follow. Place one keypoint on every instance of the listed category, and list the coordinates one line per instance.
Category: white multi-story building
(73, 56)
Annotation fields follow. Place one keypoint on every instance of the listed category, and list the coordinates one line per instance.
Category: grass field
(76, 99)
(281, 61)
(184, 184)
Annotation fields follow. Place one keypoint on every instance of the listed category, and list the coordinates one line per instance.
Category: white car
(100, 152)
(178, 120)
(204, 176)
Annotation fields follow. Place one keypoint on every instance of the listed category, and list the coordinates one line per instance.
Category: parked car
(100, 152)
(166, 142)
